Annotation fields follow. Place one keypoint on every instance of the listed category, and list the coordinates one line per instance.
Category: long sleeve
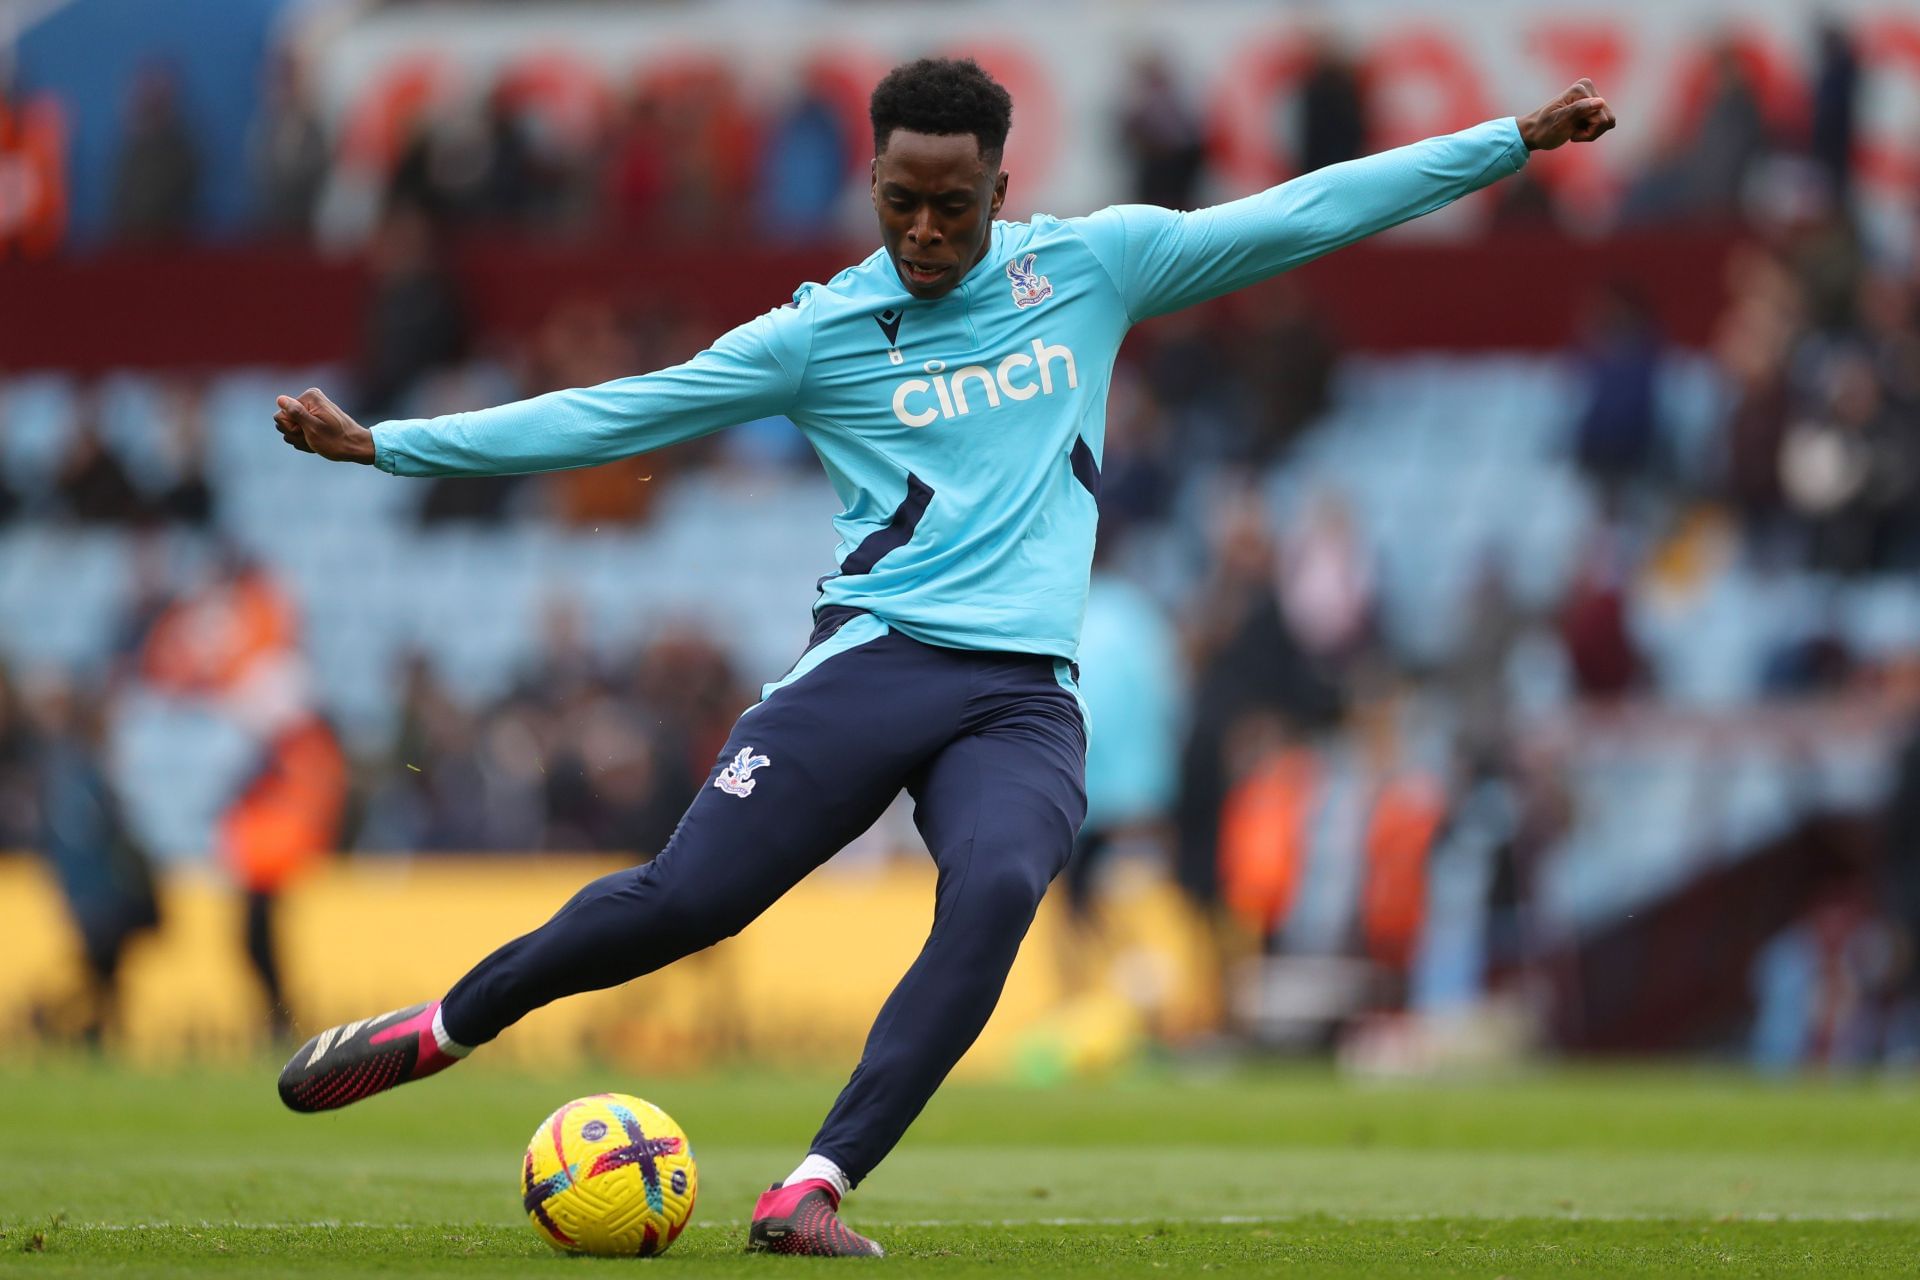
(751, 372)
(1161, 260)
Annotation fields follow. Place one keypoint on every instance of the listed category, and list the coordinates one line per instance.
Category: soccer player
(954, 385)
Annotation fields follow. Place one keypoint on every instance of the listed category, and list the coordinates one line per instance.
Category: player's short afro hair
(941, 95)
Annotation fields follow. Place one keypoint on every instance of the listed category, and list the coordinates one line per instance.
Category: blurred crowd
(580, 753)
(1235, 657)
(1237, 663)
(693, 153)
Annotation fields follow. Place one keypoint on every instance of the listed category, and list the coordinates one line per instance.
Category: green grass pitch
(108, 1172)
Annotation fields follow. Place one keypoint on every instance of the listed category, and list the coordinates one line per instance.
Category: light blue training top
(964, 434)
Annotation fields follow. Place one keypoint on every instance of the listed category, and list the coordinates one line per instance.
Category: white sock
(818, 1166)
(448, 1045)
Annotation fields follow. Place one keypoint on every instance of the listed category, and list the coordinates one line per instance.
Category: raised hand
(312, 423)
(1578, 115)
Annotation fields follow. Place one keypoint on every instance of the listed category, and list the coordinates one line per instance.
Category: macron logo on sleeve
(1020, 375)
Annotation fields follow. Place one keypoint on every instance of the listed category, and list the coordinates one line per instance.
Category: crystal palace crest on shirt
(1030, 288)
(737, 778)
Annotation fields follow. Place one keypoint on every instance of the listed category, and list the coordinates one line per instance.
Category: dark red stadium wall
(1677, 975)
(217, 308)
(1516, 292)
(191, 310)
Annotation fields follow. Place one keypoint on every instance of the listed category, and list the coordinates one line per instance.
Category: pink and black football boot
(347, 1063)
(803, 1218)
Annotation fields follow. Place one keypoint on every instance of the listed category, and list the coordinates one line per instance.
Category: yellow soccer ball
(609, 1175)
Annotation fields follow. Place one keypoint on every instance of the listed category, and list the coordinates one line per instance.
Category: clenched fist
(1578, 115)
(312, 423)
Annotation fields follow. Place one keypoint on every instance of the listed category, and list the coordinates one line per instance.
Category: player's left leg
(804, 772)
(999, 807)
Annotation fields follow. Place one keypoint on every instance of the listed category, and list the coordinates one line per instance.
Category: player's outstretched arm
(1161, 260)
(752, 372)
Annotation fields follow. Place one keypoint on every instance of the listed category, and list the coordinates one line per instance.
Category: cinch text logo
(920, 402)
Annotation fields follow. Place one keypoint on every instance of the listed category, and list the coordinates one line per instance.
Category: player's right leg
(803, 773)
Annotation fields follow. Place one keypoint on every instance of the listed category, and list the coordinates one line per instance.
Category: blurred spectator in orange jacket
(1408, 807)
(1265, 826)
(33, 177)
(284, 820)
(1406, 817)
(236, 643)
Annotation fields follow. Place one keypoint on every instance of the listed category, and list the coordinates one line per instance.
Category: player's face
(936, 195)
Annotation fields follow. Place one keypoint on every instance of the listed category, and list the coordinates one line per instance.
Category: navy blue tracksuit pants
(992, 748)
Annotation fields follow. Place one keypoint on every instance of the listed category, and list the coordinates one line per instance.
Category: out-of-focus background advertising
(1505, 636)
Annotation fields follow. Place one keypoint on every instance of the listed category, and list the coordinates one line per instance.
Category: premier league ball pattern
(609, 1175)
